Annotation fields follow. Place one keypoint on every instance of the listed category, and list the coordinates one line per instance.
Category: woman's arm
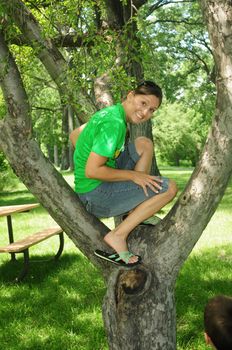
(75, 134)
(96, 169)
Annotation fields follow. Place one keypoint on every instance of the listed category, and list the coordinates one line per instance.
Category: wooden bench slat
(33, 239)
(10, 209)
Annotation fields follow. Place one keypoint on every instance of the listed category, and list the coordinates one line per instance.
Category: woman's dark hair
(218, 321)
(147, 87)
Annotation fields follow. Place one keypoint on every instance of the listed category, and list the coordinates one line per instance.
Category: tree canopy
(165, 41)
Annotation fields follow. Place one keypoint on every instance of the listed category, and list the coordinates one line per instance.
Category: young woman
(112, 178)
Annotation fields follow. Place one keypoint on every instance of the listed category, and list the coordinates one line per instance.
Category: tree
(179, 134)
(177, 53)
(139, 306)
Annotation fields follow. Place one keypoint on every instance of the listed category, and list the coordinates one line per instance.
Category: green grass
(59, 304)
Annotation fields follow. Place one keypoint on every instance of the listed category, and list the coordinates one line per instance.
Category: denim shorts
(116, 198)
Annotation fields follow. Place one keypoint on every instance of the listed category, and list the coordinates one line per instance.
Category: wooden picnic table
(12, 209)
(23, 245)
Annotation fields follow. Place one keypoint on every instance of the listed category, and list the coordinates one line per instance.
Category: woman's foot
(118, 243)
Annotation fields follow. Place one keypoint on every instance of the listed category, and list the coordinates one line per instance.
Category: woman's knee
(143, 144)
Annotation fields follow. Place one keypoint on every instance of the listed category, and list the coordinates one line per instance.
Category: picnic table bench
(23, 245)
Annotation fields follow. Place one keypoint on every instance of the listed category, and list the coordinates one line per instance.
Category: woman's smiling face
(140, 108)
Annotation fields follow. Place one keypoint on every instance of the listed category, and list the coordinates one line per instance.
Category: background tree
(148, 290)
(180, 134)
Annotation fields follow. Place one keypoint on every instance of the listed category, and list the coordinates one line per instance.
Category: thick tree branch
(102, 91)
(14, 95)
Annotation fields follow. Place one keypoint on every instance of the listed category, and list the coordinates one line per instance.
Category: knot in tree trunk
(131, 282)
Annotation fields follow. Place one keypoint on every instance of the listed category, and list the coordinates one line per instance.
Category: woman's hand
(144, 180)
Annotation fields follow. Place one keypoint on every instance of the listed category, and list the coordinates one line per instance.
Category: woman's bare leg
(118, 236)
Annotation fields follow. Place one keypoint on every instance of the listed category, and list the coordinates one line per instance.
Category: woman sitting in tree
(113, 178)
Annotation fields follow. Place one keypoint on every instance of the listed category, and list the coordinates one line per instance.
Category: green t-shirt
(105, 135)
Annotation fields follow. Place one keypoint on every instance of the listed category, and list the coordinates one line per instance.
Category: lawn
(59, 304)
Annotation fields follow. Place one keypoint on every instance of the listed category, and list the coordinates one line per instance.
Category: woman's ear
(130, 96)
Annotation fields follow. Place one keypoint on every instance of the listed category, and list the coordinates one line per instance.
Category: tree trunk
(50, 153)
(56, 156)
(139, 312)
(65, 144)
(70, 129)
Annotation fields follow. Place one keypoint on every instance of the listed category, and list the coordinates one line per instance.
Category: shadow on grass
(17, 198)
(58, 306)
(40, 267)
(203, 276)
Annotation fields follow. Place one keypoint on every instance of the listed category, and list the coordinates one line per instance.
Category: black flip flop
(118, 258)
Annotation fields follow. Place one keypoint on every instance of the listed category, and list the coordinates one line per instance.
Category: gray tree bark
(139, 307)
